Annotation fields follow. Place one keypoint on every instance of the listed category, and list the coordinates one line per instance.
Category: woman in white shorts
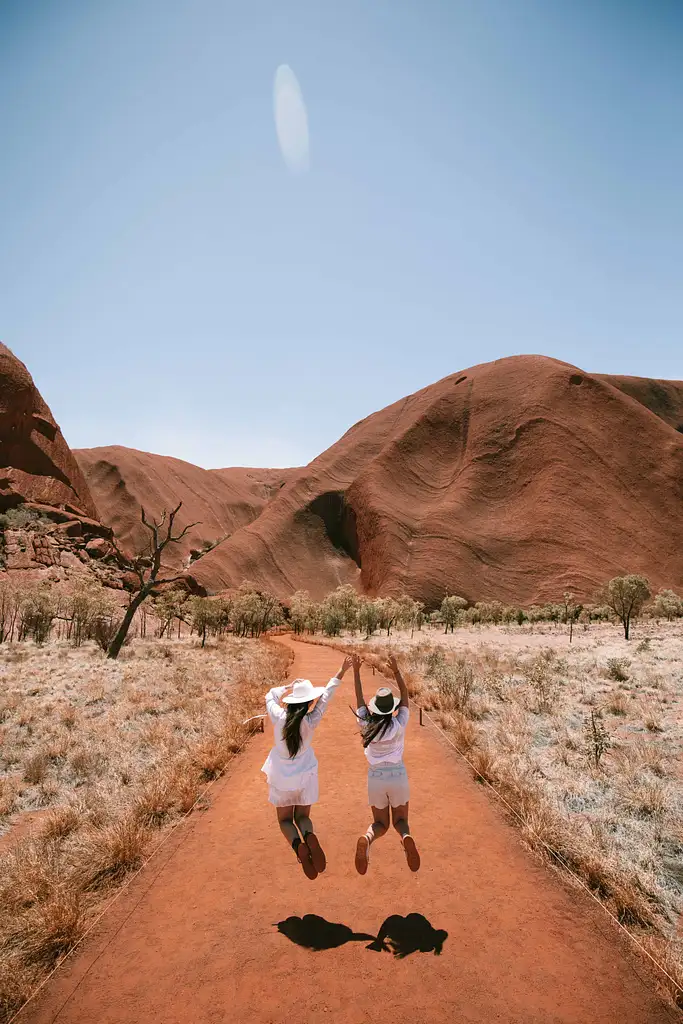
(291, 766)
(383, 724)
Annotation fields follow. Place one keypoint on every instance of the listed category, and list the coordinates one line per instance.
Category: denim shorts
(388, 785)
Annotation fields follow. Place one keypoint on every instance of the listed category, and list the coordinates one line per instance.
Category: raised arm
(360, 699)
(400, 682)
(273, 698)
(313, 717)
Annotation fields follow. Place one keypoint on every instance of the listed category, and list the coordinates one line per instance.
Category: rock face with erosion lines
(513, 480)
(220, 500)
(36, 464)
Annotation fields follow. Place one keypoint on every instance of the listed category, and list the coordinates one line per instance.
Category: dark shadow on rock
(411, 934)
(315, 932)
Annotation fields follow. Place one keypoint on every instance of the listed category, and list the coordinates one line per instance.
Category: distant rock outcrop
(513, 480)
(219, 500)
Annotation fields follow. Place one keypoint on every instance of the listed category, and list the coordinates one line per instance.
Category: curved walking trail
(195, 938)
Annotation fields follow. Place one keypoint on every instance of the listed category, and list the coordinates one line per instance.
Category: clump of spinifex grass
(582, 742)
(110, 753)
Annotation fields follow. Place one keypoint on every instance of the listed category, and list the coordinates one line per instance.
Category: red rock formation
(220, 500)
(662, 397)
(37, 465)
(513, 480)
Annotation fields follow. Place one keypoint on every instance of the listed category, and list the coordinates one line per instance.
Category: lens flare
(291, 120)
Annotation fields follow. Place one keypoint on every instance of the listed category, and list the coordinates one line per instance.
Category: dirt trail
(195, 938)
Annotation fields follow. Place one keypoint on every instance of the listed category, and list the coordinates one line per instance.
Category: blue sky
(487, 177)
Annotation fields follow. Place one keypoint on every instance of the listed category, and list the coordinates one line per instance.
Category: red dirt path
(194, 938)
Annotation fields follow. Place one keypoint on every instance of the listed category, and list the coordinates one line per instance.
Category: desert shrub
(451, 609)
(22, 518)
(617, 669)
(617, 703)
(598, 739)
(36, 767)
(37, 612)
(541, 679)
(455, 681)
(667, 605)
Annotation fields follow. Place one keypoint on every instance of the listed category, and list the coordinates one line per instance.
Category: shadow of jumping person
(316, 933)
(411, 934)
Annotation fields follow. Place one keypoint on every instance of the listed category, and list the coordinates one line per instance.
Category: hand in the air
(356, 661)
(393, 664)
(346, 664)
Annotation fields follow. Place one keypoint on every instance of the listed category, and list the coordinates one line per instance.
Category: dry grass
(99, 755)
(527, 729)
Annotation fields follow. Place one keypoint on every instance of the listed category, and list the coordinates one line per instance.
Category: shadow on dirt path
(398, 935)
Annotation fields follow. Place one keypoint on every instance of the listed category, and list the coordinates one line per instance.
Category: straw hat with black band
(384, 702)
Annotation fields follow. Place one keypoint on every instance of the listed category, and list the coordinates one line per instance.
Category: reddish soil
(37, 465)
(195, 938)
(219, 500)
(514, 480)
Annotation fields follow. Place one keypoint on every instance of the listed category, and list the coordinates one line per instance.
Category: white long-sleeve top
(285, 772)
(388, 749)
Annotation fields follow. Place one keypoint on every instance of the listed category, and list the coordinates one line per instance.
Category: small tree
(450, 610)
(368, 616)
(668, 605)
(572, 610)
(389, 611)
(146, 566)
(626, 596)
(299, 610)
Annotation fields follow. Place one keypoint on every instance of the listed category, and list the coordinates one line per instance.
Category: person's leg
(378, 828)
(399, 818)
(285, 818)
(302, 816)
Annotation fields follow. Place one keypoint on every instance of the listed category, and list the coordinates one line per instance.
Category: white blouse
(285, 772)
(389, 748)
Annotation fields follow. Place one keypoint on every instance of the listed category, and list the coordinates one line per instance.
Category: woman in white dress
(383, 722)
(291, 766)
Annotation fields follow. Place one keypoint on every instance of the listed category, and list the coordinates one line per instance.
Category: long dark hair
(292, 727)
(373, 726)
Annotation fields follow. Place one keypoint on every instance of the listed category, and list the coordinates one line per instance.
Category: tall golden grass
(111, 753)
(615, 826)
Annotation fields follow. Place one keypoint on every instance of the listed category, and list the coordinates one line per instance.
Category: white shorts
(388, 785)
(302, 797)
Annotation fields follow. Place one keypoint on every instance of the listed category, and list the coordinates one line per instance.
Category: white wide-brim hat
(384, 702)
(303, 690)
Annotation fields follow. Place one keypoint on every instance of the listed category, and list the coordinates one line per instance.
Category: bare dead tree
(147, 566)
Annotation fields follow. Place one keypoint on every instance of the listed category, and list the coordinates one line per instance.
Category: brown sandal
(317, 855)
(304, 856)
(362, 855)
(412, 855)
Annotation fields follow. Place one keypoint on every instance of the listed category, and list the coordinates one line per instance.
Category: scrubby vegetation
(581, 741)
(623, 599)
(96, 758)
(98, 755)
